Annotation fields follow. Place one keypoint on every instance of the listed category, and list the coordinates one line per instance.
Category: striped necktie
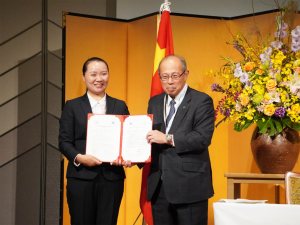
(171, 112)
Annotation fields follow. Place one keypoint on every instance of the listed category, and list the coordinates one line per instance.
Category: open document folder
(111, 137)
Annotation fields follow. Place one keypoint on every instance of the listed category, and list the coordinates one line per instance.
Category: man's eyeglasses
(174, 76)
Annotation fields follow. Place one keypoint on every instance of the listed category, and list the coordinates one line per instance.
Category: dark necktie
(171, 112)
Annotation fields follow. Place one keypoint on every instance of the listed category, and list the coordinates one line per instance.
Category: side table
(234, 181)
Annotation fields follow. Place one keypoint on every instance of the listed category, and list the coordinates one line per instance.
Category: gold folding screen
(129, 46)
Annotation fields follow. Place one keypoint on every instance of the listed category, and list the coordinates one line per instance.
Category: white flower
(244, 77)
(275, 97)
(294, 84)
(238, 72)
(238, 107)
(260, 108)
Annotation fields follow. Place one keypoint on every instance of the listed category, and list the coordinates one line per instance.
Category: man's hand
(155, 136)
(88, 160)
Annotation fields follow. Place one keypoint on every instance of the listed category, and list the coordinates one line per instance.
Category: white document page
(135, 147)
(103, 137)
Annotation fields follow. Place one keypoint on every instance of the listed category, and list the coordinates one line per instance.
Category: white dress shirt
(98, 107)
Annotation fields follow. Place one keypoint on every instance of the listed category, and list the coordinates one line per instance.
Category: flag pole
(165, 6)
(164, 47)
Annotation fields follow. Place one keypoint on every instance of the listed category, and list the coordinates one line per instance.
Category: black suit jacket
(185, 169)
(72, 137)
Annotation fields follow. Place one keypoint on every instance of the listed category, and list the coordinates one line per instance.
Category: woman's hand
(119, 162)
(128, 164)
(88, 160)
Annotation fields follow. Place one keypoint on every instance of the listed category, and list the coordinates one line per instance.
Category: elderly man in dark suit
(180, 179)
(94, 189)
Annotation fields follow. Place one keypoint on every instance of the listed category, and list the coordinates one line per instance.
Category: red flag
(164, 47)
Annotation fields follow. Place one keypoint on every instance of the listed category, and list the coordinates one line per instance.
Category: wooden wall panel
(129, 49)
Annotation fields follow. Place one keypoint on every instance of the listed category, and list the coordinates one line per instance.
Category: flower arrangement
(264, 87)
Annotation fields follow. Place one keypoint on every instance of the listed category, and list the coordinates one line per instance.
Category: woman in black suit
(94, 189)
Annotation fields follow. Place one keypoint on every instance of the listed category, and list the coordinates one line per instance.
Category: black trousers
(166, 213)
(94, 202)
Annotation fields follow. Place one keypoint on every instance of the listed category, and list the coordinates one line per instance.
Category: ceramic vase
(277, 154)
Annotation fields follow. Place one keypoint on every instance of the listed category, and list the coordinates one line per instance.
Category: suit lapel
(109, 105)
(157, 108)
(161, 109)
(181, 112)
(85, 105)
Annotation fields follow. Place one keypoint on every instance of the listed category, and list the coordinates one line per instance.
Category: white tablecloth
(256, 214)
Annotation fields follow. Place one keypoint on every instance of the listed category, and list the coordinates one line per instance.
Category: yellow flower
(267, 97)
(283, 96)
(244, 99)
(259, 89)
(247, 90)
(296, 63)
(249, 114)
(259, 72)
(266, 79)
(271, 85)
(278, 77)
(279, 57)
(257, 98)
(296, 108)
(294, 113)
(249, 66)
(286, 71)
(269, 110)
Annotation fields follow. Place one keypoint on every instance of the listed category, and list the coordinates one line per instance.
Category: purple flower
(296, 32)
(296, 41)
(236, 96)
(265, 56)
(281, 34)
(281, 29)
(295, 48)
(217, 88)
(280, 112)
(227, 113)
(276, 44)
(295, 45)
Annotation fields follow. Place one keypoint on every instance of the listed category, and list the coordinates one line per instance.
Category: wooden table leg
(230, 188)
(233, 189)
(237, 190)
(277, 193)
